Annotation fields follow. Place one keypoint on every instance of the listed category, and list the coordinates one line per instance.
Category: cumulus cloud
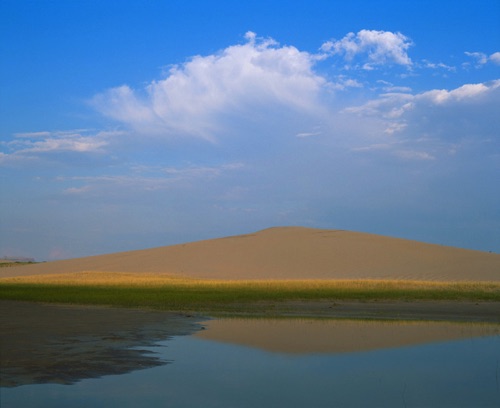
(381, 47)
(256, 79)
(260, 90)
(466, 93)
(431, 123)
(394, 105)
(240, 80)
(206, 95)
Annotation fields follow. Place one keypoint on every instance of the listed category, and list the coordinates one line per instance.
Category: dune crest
(291, 253)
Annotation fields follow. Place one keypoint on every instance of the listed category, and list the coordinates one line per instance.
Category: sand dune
(291, 253)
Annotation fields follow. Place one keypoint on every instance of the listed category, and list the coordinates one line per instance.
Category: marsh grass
(174, 293)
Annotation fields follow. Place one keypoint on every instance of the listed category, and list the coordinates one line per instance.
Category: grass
(180, 294)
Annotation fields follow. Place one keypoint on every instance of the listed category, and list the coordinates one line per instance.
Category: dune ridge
(290, 253)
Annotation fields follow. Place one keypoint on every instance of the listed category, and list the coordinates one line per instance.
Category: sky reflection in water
(209, 373)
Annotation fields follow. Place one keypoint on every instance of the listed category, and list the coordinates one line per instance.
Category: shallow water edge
(63, 344)
(47, 343)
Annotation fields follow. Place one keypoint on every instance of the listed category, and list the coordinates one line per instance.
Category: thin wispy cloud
(49, 145)
(145, 178)
(480, 58)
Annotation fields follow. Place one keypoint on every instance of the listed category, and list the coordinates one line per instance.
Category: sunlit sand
(289, 253)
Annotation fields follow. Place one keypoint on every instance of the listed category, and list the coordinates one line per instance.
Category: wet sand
(451, 311)
(42, 343)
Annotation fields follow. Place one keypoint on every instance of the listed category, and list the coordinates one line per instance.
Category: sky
(136, 124)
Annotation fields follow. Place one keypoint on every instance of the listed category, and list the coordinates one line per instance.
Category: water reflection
(337, 336)
(269, 363)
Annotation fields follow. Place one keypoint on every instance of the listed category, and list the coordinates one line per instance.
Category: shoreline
(62, 344)
(423, 310)
(65, 343)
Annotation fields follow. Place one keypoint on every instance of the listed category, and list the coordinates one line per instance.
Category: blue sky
(135, 124)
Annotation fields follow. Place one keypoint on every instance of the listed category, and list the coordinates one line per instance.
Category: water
(460, 369)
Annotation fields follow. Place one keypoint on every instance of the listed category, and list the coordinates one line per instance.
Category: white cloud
(438, 65)
(394, 105)
(466, 93)
(343, 83)
(481, 58)
(495, 58)
(55, 145)
(414, 155)
(388, 105)
(37, 145)
(381, 47)
(308, 134)
(397, 89)
(430, 124)
(240, 80)
(62, 141)
(258, 80)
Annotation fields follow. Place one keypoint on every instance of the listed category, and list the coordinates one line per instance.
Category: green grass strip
(228, 296)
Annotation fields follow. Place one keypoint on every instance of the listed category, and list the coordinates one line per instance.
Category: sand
(290, 253)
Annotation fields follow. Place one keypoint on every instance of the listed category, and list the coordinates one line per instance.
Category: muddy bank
(452, 311)
(42, 343)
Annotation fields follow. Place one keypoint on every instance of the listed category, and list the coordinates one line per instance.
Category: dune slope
(291, 253)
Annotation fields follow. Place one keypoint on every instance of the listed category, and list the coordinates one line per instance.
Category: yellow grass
(159, 280)
(99, 279)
